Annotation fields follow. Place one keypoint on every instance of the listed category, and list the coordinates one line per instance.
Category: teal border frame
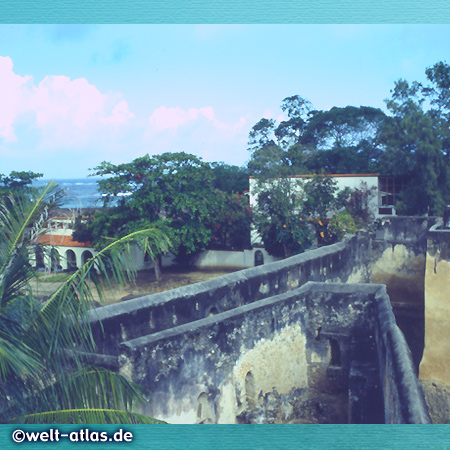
(248, 437)
(224, 11)
(236, 437)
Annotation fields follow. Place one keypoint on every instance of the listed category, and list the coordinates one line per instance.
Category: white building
(71, 254)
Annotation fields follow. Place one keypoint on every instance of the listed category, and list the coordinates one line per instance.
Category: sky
(72, 96)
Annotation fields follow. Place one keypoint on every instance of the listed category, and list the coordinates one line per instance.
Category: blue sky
(76, 95)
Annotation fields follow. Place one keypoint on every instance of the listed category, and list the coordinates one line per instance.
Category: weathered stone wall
(341, 262)
(435, 364)
(210, 325)
(233, 259)
(398, 260)
(282, 359)
(398, 252)
(403, 398)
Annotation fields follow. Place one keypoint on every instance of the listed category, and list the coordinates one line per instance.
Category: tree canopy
(411, 140)
(176, 192)
(416, 138)
(17, 181)
(341, 140)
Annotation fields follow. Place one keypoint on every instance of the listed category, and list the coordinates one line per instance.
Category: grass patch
(57, 277)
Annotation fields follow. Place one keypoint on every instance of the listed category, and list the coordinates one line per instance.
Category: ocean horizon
(81, 193)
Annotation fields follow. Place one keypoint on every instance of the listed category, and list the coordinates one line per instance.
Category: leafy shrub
(342, 223)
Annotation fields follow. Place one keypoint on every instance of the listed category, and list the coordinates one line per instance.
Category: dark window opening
(40, 258)
(335, 353)
(259, 258)
(86, 256)
(71, 260)
(389, 191)
(213, 311)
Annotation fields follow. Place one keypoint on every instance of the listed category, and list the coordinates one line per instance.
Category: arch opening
(259, 258)
(205, 409)
(250, 389)
(86, 256)
(71, 260)
(335, 359)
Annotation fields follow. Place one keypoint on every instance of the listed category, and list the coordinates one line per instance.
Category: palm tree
(44, 377)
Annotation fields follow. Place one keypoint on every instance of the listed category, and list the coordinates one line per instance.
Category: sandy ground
(145, 283)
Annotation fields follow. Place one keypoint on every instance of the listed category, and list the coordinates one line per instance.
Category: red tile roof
(60, 241)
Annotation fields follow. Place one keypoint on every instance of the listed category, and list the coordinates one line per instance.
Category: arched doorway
(54, 260)
(212, 312)
(259, 258)
(250, 390)
(86, 256)
(71, 260)
(205, 409)
(39, 254)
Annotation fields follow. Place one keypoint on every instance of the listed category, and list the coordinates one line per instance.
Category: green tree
(171, 189)
(414, 149)
(342, 223)
(290, 132)
(437, 93)
(229, 178)
(174, 191)
(232, 221)
(268, 158)
(321, 199)
(279, 218)
(290, 210)
(44, 377)
(341, 140)
(17, 182)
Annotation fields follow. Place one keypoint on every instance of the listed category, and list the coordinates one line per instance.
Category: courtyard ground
(144, 284)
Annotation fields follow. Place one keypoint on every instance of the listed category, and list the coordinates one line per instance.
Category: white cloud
(66, 112)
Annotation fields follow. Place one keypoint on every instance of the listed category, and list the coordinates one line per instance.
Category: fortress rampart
(267, 345)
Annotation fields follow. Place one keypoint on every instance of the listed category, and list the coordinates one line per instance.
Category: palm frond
(42, 377)
(63, 320)
(90, 387)
(19, 215)
(17, 358)
(21, 222)
(84, 416)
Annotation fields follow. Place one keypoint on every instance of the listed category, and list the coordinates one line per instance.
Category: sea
(81, 193)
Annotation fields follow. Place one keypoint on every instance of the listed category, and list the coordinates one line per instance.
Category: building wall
(233, 259)
(208, 259)
(81, 254)
(398, 255)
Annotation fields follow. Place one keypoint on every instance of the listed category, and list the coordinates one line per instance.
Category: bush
(342, 223)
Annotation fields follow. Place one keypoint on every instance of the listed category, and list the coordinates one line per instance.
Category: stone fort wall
(164, 340)
(123, 321)
(331, 346)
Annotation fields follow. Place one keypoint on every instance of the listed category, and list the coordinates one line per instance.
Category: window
(389, 191)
